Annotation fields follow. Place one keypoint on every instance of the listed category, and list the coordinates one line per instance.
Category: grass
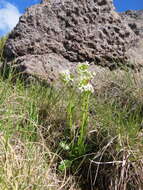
(2, 43)
(40, 130)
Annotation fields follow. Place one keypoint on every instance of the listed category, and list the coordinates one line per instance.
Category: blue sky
(123, 5)
(11, 10)
(22, 4)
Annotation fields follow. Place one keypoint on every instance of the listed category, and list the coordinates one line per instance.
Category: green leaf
(65, 164)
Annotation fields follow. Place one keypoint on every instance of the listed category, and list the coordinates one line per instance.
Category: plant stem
(82, 136)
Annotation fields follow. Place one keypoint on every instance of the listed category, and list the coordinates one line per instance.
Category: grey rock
(134, 19)
(70, 32)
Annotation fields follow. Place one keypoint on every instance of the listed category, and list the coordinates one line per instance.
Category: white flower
(66, 76)
(84, 78)
(83, 71)
(93, 74)
(82, 67)
(86, 88)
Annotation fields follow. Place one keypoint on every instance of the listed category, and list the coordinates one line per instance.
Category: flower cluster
(66, 76)
(85, 77)
(83, 80)
(86, 88)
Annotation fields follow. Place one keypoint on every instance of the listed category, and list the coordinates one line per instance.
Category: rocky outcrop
(58, 33)
(135, 21)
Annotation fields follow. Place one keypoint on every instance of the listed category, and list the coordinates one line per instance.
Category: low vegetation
(2, 42)
(73, 138)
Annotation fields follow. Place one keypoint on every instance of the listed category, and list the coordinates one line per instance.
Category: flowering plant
(82, 84)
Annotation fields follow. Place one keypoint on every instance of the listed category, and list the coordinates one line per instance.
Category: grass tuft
(68, 139)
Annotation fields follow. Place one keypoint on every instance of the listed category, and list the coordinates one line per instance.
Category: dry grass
(33, 122)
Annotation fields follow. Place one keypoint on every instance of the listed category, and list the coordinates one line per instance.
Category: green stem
(70, 114)
(83, 129)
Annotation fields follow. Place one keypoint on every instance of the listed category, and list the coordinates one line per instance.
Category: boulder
(57, 34)
(134, 19)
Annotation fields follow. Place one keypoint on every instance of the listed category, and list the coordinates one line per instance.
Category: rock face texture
(57, 34)
(135, 21)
